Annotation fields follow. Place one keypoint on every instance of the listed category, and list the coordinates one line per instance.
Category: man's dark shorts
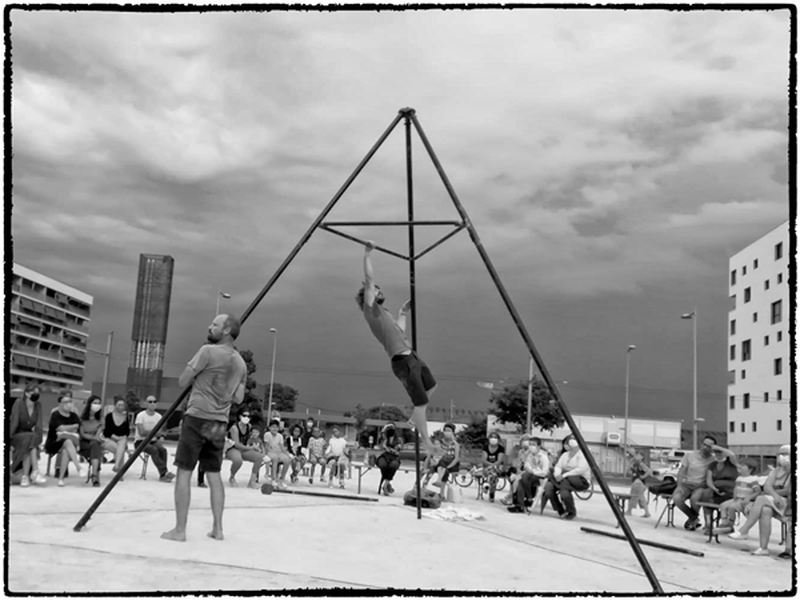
(415, 376)
(201, 440)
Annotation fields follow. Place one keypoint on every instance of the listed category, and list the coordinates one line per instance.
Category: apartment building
(759, 363)
(49, 331)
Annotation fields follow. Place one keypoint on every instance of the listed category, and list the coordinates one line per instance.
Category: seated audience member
(146, 420)
(389, 460)
(294, 446)
(336, 457)
(692, 481)
(241, 450)
(745, 491)
(639, 471)
(492, 462)
(117, 430)
(449, 462)
(316, 454)
(432, 459)
(776, 503)
(570, 474)
(63, 438)
(535, 469)
(720, 481)
(91, 436)
(276, 451)
(25, 435)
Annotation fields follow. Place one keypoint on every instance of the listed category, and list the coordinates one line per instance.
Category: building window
(732, 402)
(766, 284)
(746, 401)
(733, 351)
(743, 374)
(766, 340)
(742, 429)
(780, 394)
(755, 264)
(766, 396)
(733, 277)
(746, 349)
(746, 295)
(733, 326)
(744, 271)
(755, 428)
(779, 425)
(776, 312)
(778, 366)
(780, 336)
(778, 250)
(732, 427)
(780, 277)
(755, 317)
(732, 302)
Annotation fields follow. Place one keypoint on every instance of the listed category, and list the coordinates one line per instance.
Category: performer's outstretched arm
(403, 314)
(369, 281)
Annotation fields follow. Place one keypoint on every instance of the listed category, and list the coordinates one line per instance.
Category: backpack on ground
(429, 498)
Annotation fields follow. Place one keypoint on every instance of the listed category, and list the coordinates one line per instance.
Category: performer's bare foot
(174, 535)
(216, 534)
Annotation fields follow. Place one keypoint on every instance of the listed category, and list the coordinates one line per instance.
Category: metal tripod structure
(408, 115)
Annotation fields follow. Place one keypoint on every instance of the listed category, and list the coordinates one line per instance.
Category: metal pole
(529, 428)
(412, 284)
(598, 475)
(627, 394)
(105, 372)
(245, 315)
(219, 294)
(272, 373)
(694, 392)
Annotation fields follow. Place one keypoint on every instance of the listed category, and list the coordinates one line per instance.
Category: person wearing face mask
(535, 468)
(494, 457)
(25, 435)
(692, 481)
(570, 474)
(389, 460)
(294, 446)
(91, 435)
(774, 503)
(240, 451)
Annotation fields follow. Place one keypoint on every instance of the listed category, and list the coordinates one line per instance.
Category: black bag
(663, 487)
(429, 499)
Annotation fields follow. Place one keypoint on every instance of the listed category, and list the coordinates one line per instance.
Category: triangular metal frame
(408, 115)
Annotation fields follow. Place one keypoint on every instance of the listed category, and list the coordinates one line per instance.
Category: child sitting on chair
(316, 454)
(336, 457)
(432, 461)
(449, 462)
(744, 493)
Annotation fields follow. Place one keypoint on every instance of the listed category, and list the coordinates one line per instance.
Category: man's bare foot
(174, 535)
(217, 535)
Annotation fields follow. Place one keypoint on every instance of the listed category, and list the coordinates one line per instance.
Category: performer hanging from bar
(407, 366)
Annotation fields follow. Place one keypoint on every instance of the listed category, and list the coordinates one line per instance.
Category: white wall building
(759, 364)
(49, 331)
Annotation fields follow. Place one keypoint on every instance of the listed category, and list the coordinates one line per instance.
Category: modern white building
(49, 331)
(759, 363)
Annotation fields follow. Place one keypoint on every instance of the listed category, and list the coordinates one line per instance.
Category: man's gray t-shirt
(218, 372)
(386, 329)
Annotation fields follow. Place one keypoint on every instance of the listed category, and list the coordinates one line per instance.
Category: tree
(251, 401)
(132, 401)
(474, 434)
(284, 397)
(511, 406)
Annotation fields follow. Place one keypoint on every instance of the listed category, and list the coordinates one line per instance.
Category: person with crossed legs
(692, 481)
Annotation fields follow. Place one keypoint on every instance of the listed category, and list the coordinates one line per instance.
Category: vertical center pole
(412, 283)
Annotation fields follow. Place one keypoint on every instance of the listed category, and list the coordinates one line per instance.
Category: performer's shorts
(201, 440)
(415, 376)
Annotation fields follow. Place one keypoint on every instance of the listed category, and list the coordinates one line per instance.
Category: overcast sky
(611, 162)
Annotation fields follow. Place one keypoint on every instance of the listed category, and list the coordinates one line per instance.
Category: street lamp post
(221, 294)
(631, 348)
(529, 428)
(693, 316)
(107, 354)
(272, 372)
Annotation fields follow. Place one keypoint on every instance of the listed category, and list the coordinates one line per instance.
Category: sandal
(785, 554)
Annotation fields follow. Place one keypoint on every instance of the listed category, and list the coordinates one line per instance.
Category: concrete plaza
(296, 542)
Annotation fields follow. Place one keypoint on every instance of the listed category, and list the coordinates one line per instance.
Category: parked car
(668, 473)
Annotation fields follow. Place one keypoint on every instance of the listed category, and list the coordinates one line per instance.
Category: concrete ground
(297, 542)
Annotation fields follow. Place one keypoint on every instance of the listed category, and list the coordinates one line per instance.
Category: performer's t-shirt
(218, 372)
(386, 330)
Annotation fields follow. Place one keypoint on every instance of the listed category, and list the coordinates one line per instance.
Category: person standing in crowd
(91, 435)
(639, 471)
(570, 474)
(116, 432)
(692, 481)
(218, 375)
(25, 435)
(389, 460)
(146, 420)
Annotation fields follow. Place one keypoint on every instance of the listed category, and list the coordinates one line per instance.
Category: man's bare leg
(419, 420)
(183, 497)
(217, 491)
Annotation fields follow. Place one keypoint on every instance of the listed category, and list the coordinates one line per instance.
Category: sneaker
(722, 529)
(294, 479)
(253, 485)
(785, 555)
(25, 481)
(282, 485)
(737, 535)
(202, 484)
(330, 483)
(311, 481)
(568, 516)
(341, 484)
(389, 487)
(514, 509)
(232, 482)
(37, 477)
(96, 481)
(760, 552)
(691, 524)
(167, 477)
(61, 483)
